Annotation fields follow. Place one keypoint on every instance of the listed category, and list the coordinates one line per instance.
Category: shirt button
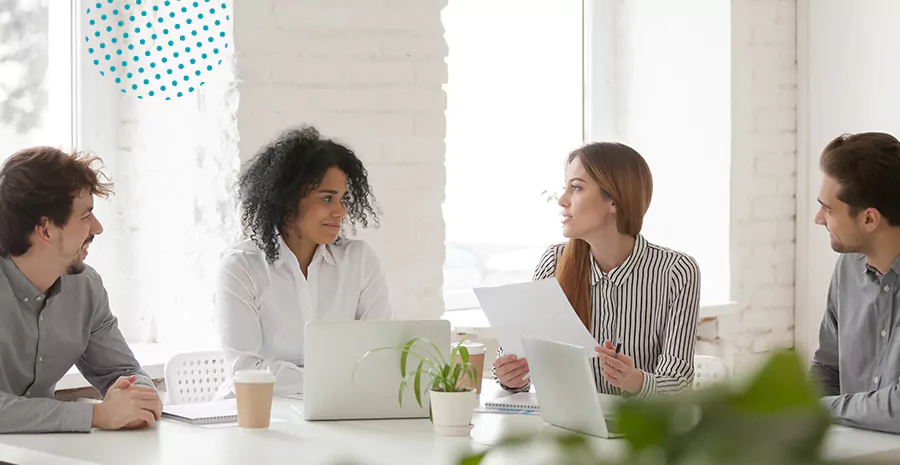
(25, 299)
(40, 359)
(28, 393)
(39, 298)
(883, 333)
(887, 288)
(41, 318)
(875, 380)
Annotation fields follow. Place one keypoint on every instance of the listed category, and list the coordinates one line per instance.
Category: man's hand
(127, 406)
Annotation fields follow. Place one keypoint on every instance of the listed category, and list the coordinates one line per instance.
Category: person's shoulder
(554, 250)
(90, 277)
(851, 262)
(87, 284)
(679, 260)
(243, 255)
(546, 266)
(352, 251)
(848, 264)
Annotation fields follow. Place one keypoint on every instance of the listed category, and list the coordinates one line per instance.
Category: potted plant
(451, 406)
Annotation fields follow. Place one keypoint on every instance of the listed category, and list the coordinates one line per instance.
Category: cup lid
(474, 348)
(254, 376)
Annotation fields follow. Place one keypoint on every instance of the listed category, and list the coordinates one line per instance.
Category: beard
(844, 247)
(76, 266)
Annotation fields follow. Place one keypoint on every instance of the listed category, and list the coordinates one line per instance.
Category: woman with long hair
(628, 292)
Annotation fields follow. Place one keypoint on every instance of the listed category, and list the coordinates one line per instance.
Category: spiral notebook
(217, 411)
(516, 402)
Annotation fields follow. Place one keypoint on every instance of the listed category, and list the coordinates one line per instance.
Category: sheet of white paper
(236, 425)
(538, 309)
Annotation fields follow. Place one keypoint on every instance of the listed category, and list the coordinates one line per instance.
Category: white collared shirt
(262, 308)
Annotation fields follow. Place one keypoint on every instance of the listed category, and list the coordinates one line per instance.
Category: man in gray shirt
(857, 364)
(54, 310)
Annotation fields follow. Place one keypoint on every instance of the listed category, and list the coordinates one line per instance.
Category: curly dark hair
(287, 170)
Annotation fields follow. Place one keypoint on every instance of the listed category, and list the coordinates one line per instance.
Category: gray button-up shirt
(42, 336)
(858, 361)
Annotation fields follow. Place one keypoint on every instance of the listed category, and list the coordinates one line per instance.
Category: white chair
(708, 371)
(195, 377)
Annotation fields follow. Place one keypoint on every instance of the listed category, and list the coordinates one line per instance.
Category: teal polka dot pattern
(137, 33)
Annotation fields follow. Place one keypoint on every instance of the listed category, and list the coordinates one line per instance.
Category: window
(36, 74)
(525, 77)
(514, 112)
(659, 80)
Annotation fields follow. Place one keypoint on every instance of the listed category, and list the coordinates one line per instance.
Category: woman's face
(320, 214)
(586, 210)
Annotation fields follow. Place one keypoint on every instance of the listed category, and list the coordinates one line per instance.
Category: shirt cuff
(828, 402)
(77, 417)
(649, 387)
(142, 380)
(525, 388)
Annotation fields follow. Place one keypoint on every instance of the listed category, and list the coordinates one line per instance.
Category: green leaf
(418, 383)
(474, 459)
(404, 354)
(464, 354)
(403, 383)
(438, 352)
(780, 384)
(454, 378)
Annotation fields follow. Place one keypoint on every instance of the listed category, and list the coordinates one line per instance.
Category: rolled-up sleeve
(107, 356)
(25, 415)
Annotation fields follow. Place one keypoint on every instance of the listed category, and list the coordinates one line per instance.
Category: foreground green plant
(775, 419)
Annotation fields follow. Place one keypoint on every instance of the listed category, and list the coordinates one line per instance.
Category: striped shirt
(650, 303)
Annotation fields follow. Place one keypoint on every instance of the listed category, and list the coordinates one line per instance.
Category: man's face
(77, 234)
(844, 227)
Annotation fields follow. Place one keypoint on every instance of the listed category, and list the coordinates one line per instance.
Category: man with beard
(857, 364)
(54, 310)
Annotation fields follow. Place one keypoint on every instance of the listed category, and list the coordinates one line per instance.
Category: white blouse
(262, 308)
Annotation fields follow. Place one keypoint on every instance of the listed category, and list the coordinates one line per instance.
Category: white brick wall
(763, 185)
(172, 214)
(368, 73)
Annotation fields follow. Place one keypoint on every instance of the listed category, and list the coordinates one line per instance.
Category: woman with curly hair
(298, 195)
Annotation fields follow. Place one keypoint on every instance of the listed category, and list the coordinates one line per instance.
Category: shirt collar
(22, 287)
(620, 274)
(871, 271)
(285, 252)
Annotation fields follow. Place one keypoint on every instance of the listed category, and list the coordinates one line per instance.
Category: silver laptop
(332, 351)
(565, 389)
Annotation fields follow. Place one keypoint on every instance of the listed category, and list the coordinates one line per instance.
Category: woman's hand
(619, 370)
(511, 370)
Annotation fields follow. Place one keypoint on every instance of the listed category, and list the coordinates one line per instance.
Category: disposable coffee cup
(254, 390)
(476, 358)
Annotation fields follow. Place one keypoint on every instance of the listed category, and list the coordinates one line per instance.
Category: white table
(364, 442)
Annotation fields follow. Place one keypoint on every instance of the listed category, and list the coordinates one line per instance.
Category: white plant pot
(451, 412)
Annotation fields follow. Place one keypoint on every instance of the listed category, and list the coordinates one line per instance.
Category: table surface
(372, 442)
